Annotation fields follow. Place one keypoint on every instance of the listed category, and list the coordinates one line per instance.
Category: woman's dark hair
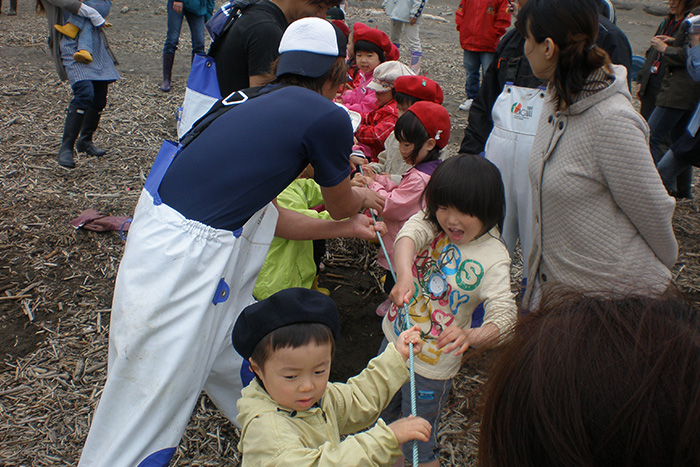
(337, 74)
(409, 129)
(404, 100)
(596, 381)
(367, 46)
(292, 336)
(573, 27)
(470, 184)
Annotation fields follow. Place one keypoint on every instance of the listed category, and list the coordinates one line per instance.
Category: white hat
(309, 47)
(386, 73)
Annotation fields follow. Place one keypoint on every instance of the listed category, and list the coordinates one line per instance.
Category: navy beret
(289, 306)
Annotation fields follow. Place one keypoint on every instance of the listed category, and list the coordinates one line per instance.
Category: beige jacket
(273, 436)
(602, 218)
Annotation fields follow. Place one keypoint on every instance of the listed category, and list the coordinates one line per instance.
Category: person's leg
(414, 45)
(661, 121)
(431, 396)
(92, 120)
(472, 63)
(83, 97)
(196, 24)
(395, 32)
(172, 38)
(85, 41)
(684, 183)
(485, 58)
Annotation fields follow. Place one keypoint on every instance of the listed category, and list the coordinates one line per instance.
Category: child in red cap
(421, 132)
(371, 47)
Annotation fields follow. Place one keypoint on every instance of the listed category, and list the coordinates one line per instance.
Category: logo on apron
(521, 112)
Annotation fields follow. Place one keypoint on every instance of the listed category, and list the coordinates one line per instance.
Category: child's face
(296, 378)
(366, 61)
(383, 98)
(460, 228)
(406, 150)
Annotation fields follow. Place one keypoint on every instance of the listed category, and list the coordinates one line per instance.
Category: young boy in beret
(291, 412)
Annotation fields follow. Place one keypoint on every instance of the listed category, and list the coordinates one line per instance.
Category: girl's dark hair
(337, 74)
(367, 46)
(293, 336)
(596, 381)
(470, 184)
(404, 100)
(573, 27)
(409, 129)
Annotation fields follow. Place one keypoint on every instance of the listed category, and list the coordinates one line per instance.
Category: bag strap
(224, 105)
(236, 11)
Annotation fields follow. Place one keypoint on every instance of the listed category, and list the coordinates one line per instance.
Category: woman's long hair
(573, 27)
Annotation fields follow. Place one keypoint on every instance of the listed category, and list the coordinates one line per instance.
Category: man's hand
(177, 7)
(365, 228)
(371, 199)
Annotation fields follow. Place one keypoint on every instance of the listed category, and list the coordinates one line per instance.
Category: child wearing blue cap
(291, 412)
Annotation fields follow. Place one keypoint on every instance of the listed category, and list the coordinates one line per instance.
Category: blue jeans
(472, 62)
(84, 24)
(196, 24)
(676, 174)
(664, 121)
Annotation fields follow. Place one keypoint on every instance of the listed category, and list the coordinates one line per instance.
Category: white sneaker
(466, 105)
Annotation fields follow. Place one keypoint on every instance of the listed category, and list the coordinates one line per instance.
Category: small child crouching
(291, 414)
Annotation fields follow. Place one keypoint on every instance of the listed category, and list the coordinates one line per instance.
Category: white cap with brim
(309, 47)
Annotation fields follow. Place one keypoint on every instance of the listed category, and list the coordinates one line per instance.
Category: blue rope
(411, 364)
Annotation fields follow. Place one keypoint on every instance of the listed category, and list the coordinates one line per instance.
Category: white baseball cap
(309, 47)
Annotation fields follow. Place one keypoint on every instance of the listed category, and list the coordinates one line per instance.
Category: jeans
(472, 61)
(662, 121)
(90, 94)
(84, 24)
(196, 24)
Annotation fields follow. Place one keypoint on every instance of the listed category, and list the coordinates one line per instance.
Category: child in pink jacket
(421, 132)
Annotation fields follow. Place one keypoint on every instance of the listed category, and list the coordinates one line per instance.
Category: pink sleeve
(403, 201)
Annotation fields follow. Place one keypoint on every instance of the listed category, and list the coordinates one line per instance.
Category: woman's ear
(551, 50)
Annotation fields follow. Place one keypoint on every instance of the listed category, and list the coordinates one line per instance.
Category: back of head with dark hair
(471, 184)
(367, 46)
(604, 382)
(409, 129)
(337, 74)
(573, 27)
(404, 100)
(293, 336)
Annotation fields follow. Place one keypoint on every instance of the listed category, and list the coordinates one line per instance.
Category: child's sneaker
(384, 307)
(82, 56)
(466, 105)
(68, 30)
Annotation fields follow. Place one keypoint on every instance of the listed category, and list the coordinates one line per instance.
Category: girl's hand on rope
(402, 293)
(410, 428)
(381, 227)
(454, 337)
(409, 336)
(359, 180)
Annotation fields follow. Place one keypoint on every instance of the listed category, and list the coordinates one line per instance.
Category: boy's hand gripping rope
(410, 344)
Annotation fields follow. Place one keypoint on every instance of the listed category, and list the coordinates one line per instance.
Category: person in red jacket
(480, 23)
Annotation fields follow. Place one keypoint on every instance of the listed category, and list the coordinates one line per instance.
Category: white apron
(180, 287)
(515, 116)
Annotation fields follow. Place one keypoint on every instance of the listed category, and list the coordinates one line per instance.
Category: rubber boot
(13, 8)
(82, 56)
(85, 144)
(415, 61)
(71, 129)
(315, 287)
(168, 60)
(68, 30)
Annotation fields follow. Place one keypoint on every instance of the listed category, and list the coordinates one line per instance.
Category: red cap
(393, 54)
(420, 87)
(435, 119)
(375, 36)
(340, 24)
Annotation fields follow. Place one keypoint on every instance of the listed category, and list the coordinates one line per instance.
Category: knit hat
(419, 87)
(362, 32)
(309, 47)
(289, 306)
(435, 119)
(386, 73)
